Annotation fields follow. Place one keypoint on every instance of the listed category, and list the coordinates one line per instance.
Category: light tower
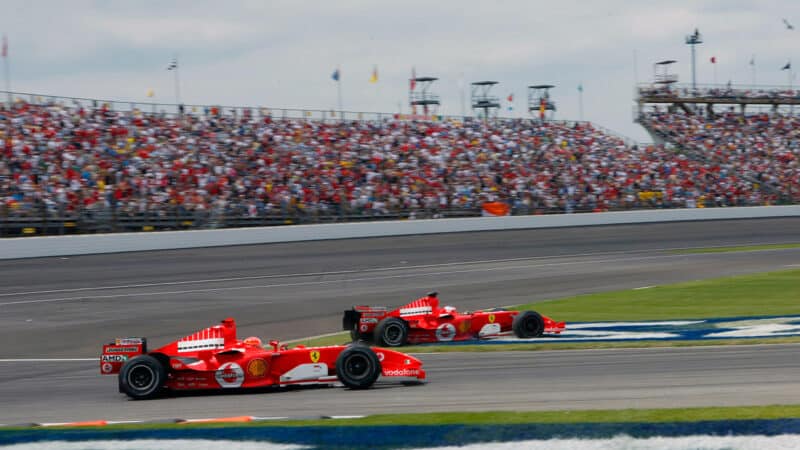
(539, 100)
(482, 98)
(421, 96)
(694, 39)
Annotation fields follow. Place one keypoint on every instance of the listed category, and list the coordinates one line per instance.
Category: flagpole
(177, 83)
(6, 71)
(580, 102)
(339, 92)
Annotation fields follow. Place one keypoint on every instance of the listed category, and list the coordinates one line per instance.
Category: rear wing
(363, 314)
(116, 353)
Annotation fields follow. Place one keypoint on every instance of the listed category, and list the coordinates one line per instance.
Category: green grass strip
(508, 417)
(742, 248)
(761, 294)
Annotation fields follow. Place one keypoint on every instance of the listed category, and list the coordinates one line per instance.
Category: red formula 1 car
(214, 358)
(423, 321)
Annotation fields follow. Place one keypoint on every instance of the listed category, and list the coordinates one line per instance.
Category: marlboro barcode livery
(214, 358)
(423, 321)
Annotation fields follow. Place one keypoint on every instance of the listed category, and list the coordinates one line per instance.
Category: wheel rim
(357, 366)
(532, 325)
(393, 334)
(141, 378)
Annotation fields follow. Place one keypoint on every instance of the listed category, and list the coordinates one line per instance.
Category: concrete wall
(128, 242)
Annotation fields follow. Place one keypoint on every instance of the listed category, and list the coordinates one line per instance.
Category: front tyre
(142, 377)
(358, 367)
(528, 324)
(391, 332)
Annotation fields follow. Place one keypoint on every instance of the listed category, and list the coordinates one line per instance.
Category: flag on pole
(580, 87)
(5, 46)
(412, 83)
(510, 99)
(335, 75)
(374, 77)
(713, 60)
(173, 65)
(753, 60)
(788, 66)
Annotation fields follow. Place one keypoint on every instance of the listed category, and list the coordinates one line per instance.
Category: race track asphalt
(66, 307)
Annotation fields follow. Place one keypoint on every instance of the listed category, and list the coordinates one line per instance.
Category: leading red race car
(213, 358)
(423, 321)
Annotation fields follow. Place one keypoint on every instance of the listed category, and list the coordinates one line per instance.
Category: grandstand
(84, 165)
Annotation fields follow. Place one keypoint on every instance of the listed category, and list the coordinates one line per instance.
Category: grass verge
(506, 417)
(762, 294)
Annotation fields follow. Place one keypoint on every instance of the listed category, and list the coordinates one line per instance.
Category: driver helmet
(252, 341)
(449, 309)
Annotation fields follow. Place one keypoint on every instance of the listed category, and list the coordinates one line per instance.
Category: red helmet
(252, 341)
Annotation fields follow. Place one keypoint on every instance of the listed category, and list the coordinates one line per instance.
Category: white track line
(324, 282)
(344, 272)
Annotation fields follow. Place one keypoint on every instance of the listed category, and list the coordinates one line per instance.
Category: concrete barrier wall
(33, 247)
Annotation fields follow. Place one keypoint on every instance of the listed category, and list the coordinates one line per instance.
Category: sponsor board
(114, 358)
(672, 330)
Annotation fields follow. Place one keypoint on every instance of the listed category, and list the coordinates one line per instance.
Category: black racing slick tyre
(358, 367)
(142, 377)
(391, 332)
(528, 324)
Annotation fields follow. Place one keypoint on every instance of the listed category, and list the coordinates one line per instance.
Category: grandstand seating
(74, 160)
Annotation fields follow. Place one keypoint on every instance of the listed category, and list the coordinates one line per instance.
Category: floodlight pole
(693, 40)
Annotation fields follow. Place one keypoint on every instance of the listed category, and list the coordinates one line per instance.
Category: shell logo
(257, 368)
(314, 356)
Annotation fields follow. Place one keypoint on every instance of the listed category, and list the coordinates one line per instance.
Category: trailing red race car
(423, 321)
(213, 358)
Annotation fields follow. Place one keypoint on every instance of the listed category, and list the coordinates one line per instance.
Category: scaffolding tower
(539, 101)
(419, 94)
(483, 99)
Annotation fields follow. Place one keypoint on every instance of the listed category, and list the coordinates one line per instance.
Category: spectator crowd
(67, 159)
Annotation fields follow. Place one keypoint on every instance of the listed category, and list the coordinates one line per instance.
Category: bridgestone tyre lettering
(142, 377)
(358, 367)
(391, 332)
(528, 324)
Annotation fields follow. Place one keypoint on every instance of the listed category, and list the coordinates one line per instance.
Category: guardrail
(171, 240)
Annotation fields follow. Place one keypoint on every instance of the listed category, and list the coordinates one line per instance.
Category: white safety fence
(33, 247)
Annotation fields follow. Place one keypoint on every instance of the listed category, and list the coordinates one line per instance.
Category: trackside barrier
(33, 247)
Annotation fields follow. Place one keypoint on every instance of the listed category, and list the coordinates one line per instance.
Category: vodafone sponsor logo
(401, 373)
(229, 375)
(107, 368)
(380, 356)
(445, 332)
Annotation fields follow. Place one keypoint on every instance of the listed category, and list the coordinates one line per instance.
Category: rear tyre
(391, 332)
(358, 367)
(142, 377)
(529, 324)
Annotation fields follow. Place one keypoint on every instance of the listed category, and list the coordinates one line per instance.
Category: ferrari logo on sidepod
(314, 356)
(491, 318)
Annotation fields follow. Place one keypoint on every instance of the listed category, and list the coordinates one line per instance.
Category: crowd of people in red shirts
(763, 147)
(59, 159)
